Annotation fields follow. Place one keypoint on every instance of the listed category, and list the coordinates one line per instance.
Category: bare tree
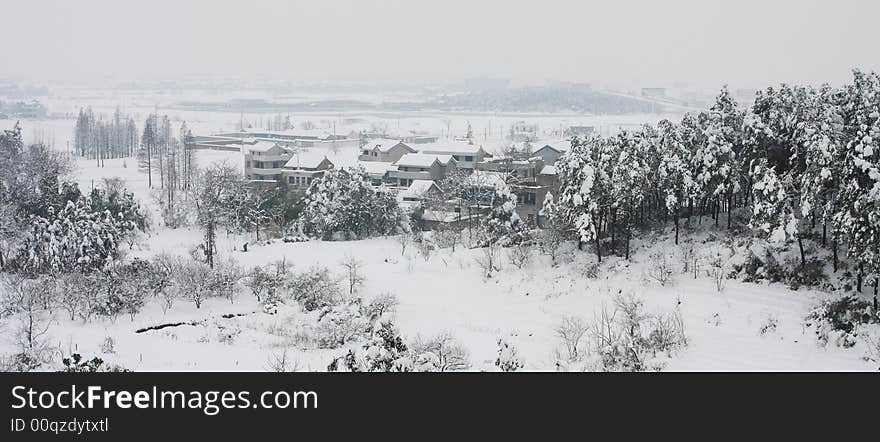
(520, 255)
(446, 352)
(488, 259)
(282, 363)
(353, 270)
(404, 240)
(550, 242)
(660, 268)
(23, 299)
(571, 331)
(381, 306)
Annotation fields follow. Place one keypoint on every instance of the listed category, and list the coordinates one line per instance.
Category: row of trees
(96, 138)
(798, 159)
(167, 155)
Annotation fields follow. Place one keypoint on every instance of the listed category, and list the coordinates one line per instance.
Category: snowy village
(246, 223)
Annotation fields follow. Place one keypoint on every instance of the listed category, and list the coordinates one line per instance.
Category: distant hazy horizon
(705, 43)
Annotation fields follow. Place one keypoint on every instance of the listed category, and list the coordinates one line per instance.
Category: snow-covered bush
(159, 279)
(344, 204)
(76, 238)
(769, 326)
(809, 274)
(196, 281)
(314, 289)
(508, 359)
(227, 334)
(382, 306)
(339, 325)
(839, 320)
(108, 346)
(667, 332)
(77, 364)
(426, 246)
(502, 224)
(628, 338)
(386, 351)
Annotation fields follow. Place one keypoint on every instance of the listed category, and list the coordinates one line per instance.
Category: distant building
(299, 137)
(523, 177)
(418, 191)
(384, 150)
(303, 167)
(420, 166)
(213, 142)
(420, 139)
(378, 172)
(32, 109)
(264, 160)
(550, 152)
(466, 155)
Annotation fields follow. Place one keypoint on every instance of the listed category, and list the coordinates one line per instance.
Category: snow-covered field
(448, 293)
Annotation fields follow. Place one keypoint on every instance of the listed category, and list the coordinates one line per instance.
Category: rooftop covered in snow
(423, 160)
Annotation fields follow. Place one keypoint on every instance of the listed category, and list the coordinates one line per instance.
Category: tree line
(801, 162)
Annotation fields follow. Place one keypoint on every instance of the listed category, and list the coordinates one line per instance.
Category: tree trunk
(676, 225)
(613, 233)
(801, 248)
(859, 278)
(834, 253)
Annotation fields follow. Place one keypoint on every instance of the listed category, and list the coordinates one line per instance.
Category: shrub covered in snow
(839, 320)
(508, 359)
(386, 351)
(339, 325)
(315, 289)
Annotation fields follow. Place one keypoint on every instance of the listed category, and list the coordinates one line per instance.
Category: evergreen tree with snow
(343, 203)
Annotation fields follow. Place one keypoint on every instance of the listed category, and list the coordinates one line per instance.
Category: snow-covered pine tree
(858, 214)
(674, 172)
(583, 188)
(778, 131)
(342, 203)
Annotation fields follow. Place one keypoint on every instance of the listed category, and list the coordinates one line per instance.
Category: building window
(290, 180)
(468, 158)
(525, 198)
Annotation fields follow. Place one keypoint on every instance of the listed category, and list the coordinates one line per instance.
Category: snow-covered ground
(448, 293)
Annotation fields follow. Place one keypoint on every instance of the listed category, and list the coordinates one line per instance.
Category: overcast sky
(744, 42)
